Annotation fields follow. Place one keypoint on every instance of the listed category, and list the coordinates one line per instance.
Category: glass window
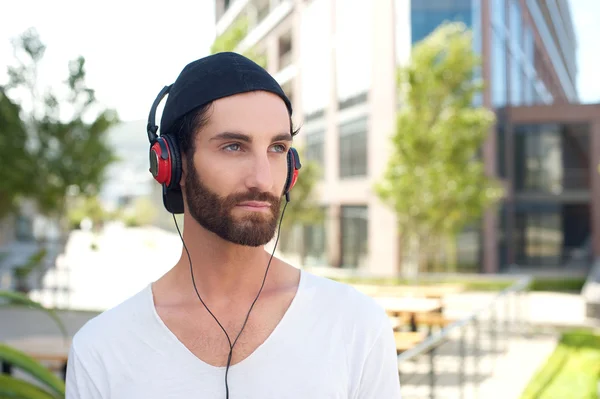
(285, 49)
(516, 80)
(528, 95)
(426, 16)
(551, 234)
(551, 158)
(499, 13)
(516, 26)
(354, 234)
(575, 145)
(541, 93)
(529, 48)
(499, 84)
(476, 26)
(314, 152)
(315, 242)
(353, 148)
(538, 236)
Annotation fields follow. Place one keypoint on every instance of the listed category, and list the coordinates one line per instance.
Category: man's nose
(259, 176)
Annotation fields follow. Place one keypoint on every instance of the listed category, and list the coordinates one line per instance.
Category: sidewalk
(514, 371)
(497, 363)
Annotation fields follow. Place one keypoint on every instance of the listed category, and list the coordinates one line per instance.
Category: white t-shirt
(333, 342)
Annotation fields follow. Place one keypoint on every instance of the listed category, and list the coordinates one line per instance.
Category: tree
(434, 179)
(233, 36)
(68, 154)
(18, 172)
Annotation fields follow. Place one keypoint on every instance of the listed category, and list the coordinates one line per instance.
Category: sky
(133, 49)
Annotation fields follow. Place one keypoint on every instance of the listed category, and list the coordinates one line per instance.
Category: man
(229, 320)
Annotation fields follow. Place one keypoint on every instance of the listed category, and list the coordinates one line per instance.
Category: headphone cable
(231, 345)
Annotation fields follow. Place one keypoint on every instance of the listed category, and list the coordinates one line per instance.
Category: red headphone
(165, 163)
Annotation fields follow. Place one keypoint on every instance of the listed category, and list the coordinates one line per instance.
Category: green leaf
(22, 299)
(13, 388)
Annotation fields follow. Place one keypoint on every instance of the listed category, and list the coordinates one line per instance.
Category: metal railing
(454, 361)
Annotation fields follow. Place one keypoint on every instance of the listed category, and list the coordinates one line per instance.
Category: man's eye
(232, 147)
(280, 148)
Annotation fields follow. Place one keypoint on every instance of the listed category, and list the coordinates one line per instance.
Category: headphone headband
(152, 128)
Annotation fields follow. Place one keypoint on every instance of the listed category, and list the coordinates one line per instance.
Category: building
(337, 61)
(129, 176)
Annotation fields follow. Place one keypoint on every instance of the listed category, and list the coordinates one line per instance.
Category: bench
(433, 320)
(407, 339)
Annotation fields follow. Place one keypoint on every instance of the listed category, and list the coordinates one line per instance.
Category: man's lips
(255, 205)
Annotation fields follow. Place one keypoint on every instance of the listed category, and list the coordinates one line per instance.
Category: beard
(215, 213)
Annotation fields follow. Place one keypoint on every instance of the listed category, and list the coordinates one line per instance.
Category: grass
(572, 371)
(573, 284)
(556, 284)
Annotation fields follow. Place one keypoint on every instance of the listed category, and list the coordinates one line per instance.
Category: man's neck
(222, 270)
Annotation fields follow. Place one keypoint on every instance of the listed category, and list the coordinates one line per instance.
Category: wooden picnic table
(412, 306)
(409, 305)
(44, 348)
(406, 340)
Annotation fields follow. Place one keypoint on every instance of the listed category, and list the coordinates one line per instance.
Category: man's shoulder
(98, 332)
(345, 299)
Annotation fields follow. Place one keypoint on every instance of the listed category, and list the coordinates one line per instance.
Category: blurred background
(451, 154)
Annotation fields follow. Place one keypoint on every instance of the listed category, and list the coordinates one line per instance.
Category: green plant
(571, 371)
(48, 385)
(23, 271)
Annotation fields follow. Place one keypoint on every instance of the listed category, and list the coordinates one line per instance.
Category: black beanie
(213, 77)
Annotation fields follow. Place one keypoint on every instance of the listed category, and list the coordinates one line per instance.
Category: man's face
(234, 182)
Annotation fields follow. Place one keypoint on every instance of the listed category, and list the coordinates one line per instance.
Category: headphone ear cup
(293, 165)
(290, 168)
(175, 161)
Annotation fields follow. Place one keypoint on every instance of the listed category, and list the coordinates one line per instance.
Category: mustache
(252, 196)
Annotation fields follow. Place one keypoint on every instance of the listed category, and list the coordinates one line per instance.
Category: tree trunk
(412, 257)
(401, 251)
(451, 254)
(435, 255)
